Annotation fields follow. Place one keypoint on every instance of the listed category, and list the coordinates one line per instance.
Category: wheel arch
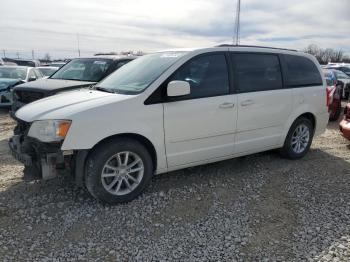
(82, 155)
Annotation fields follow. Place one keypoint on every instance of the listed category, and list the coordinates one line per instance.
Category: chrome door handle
(247, 102)
(227, 105)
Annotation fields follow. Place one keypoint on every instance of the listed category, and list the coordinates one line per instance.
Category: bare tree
(325, 55)
(47, 57)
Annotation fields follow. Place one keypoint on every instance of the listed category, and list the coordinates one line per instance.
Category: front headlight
(49, 130)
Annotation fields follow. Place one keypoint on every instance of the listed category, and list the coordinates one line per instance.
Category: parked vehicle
(334, 94)
(47, 70)
(345, 80)
(171, 110)
(345, 123)
(23, 62)
(78, 73)
(345, 68)
(11, 76)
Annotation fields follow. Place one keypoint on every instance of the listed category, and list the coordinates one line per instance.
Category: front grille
(26, 97)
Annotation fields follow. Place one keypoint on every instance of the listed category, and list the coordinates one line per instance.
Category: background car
(78, 73)
(10, 76)
(334, 92)
(345, 68)
(47, 70)
(345, 80)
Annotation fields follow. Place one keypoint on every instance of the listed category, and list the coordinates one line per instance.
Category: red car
(345, 123)
(334, 92)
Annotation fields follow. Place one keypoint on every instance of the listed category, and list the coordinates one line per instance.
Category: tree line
(327, 55)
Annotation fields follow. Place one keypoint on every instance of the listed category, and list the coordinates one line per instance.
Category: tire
(335, 112)
(290, 151)
(106, 165)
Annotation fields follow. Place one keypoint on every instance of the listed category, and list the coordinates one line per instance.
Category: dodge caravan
(171, 110)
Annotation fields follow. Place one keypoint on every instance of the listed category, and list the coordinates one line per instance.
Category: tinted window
(257, 72)
(301, 71)
(207, 76)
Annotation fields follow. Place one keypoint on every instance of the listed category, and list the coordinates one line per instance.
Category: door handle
(247, 102)
(227, 105)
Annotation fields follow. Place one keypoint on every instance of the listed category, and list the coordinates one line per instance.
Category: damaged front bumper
(45, 156)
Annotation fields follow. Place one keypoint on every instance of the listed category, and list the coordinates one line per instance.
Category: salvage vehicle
(78, 73)
(171, 110)
(10, 76)
(344, 125)
(334, 94)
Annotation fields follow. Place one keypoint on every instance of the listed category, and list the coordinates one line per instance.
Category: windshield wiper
(104, 89)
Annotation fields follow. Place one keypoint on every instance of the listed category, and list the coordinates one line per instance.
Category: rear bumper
(344, 127)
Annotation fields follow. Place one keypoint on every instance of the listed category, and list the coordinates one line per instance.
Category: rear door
(263, 104)
(202, 125)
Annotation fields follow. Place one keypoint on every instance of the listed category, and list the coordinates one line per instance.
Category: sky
(48, 26)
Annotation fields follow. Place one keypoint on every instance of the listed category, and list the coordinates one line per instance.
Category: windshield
(85, 69)
(341, 75)
(137, 75)
(13, 72)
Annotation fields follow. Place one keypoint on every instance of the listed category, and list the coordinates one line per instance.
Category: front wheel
(299, 139)
(118, 171)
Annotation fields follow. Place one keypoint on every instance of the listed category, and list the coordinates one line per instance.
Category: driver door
(201, 126)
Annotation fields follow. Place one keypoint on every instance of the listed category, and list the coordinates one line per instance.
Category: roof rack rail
(257, 46)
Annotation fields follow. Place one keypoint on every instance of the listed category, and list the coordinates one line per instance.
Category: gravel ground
(254, 208)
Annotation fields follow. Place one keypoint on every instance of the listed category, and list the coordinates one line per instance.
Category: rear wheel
(118, 171)
(299, 139)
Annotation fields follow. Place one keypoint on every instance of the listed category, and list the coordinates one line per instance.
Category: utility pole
(78, 45)
(237, 23)
(17, 55)
(33, 54)
(4, 52)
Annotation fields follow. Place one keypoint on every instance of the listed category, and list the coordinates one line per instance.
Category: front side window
(257, 72)
(207, 76)
(301, 71)
(85, 69)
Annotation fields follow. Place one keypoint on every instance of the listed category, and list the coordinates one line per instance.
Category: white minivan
(171, 110)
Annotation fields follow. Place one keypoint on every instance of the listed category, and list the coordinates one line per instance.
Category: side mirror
(31, 79)
(178, 88)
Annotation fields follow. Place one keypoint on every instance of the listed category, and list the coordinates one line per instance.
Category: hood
(52, 85)
(6, 82)
(67, 104)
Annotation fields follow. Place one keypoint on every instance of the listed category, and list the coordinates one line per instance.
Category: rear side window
(301, 71)
(257, 72)
(207, 76)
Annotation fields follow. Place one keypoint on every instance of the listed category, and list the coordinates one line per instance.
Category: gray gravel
(255, 208)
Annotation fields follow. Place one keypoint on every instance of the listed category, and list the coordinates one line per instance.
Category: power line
(78, 45)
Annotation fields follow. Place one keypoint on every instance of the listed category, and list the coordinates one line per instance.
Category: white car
(171, 110)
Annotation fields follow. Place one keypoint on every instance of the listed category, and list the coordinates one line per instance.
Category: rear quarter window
(301, 71)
